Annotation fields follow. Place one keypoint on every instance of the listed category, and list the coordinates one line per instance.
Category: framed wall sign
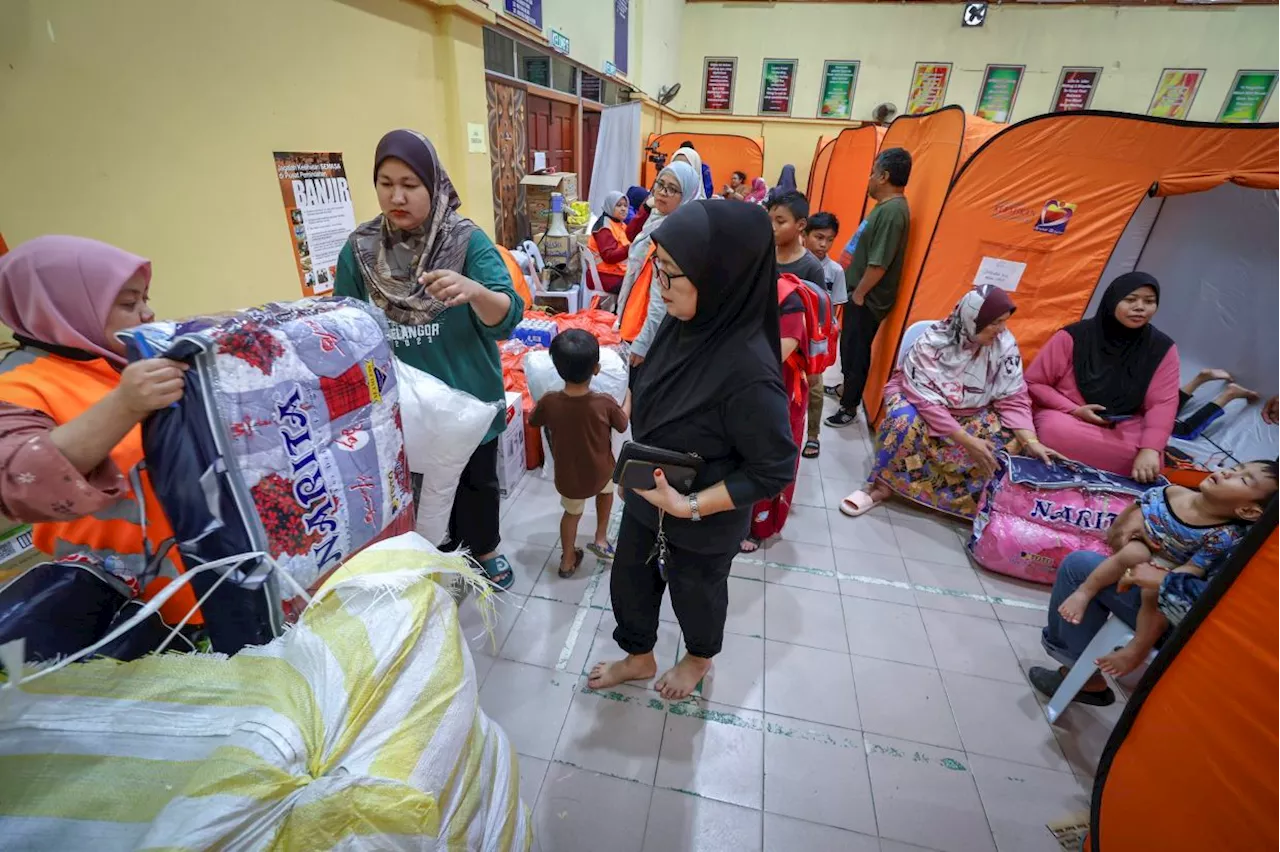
(1076, 87)
(1175, 92)
(719, 73)
(1248, 96)
(777, 86)
(835, 98)
(999, 91)
(928, 87)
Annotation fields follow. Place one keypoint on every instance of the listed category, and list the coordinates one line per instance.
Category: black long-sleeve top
(746, 441)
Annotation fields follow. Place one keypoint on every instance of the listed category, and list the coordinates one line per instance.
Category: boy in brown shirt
(579, 424)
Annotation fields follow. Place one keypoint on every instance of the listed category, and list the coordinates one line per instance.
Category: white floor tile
(532, 771)
(1002, 720)
(541, 632)
(681, 822)
(529, 703)
(928, 539)
(807, 525)
(926, 796)
(810, 684)
(580, 811)
(488, 638)
(784, 834)
(804, 617)
(947, 579)
(1021, 801)
(527, 561)
(818, 774)
(809, 492)
(1025, 641)
(737, 674)
(748, 566)
(969, 645)
(552, 586)
(616, 732)
(870, 533)
(817, 557)
(1082, 731)
(886, 631)
(864, 568)
(746, 607)
(716, 752)
(604, 648)
(903, 701)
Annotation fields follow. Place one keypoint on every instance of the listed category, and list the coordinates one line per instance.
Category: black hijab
(733, 340)
(1114, 364)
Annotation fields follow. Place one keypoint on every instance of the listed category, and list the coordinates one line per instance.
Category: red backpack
(819, 320)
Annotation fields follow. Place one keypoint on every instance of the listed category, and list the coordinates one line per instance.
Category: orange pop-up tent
(723, 153)
(838, 179)
(818, 170)
(1043, 205)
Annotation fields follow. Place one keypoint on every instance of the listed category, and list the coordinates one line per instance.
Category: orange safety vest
(619, 232)
(64, 389)
(637, 307)
(517, 276)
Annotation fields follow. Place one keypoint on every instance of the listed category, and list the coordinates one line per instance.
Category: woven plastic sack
(358, 729)
(1031, 515)
(442, 428)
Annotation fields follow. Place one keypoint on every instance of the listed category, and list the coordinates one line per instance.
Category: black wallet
(637, 462)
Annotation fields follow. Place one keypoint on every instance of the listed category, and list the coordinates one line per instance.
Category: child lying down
(1184, 530)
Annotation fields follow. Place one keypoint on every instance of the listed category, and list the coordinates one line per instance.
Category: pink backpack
(1032, 515)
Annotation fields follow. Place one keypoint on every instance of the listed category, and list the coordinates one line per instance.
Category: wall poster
(1175, 92)
(317, 208)
(835, 98)
(719, 73)
(999, 91)
(777, 85)
(1076, 87)
(1248, 96)
(621, 33)
(928, 87)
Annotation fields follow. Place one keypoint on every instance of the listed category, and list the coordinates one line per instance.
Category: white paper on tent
(1000, 272)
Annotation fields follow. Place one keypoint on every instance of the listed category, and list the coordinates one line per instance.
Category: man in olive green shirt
(873, 276)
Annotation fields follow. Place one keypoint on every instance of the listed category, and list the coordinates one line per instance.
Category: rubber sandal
(499, 572)
(858, 504)
(811, 449)
(758, 546)
(577, 563)
(606, 552)
(832, 391)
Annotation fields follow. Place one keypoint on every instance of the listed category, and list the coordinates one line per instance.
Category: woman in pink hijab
(71, 404)
(759, 191)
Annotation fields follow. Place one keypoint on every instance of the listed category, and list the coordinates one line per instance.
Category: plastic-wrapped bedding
(358, 729)
(288, 441)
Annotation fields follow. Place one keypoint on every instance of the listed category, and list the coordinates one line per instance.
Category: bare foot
(1120, 661)
(1072, 609)
(1211, 374)
(632, 667)
(683, 678)
(1235, 391)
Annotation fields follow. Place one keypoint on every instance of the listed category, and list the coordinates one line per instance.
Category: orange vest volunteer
(517, 276)
(637, 307)
(65, 389)
(619, 232)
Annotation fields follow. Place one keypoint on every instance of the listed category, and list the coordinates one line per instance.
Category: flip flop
(858, 504)
(606, 552)
(499, 572)
(577, 563)
(756, 546)
(811, 449)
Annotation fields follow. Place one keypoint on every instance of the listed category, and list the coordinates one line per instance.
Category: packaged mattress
(288, 441)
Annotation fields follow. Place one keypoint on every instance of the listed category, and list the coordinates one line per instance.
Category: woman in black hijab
(712, 385)
(1105, 389)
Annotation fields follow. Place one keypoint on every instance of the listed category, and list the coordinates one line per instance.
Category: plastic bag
(542, 377)
(442, 428)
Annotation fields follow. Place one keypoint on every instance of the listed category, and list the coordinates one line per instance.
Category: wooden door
(590, 135)
(539, 110)
(508, 160)
(563, 132)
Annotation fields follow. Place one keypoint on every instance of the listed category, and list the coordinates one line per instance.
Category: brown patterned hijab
(392, 260)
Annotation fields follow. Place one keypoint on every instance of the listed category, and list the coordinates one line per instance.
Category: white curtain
(617, 165)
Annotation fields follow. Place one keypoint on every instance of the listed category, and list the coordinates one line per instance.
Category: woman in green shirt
(448, 300)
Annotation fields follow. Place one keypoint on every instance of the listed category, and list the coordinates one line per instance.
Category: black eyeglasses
(661, 188)
(664, 277)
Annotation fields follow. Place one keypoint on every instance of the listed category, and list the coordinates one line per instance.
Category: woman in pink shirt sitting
(1105, 389)
(958, 399)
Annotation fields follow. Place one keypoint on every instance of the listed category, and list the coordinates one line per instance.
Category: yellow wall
(1132, 44)
(151, 124)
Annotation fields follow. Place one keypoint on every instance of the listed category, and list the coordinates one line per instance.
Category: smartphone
(638, 475)
(1113, 419)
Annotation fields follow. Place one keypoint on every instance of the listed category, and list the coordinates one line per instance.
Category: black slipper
(812, 449)
(1047, 681)
(577, 563)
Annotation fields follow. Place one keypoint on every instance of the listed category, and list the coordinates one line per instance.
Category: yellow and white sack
(358, 729)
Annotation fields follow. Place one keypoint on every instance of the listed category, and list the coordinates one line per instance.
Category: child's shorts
(576, 507)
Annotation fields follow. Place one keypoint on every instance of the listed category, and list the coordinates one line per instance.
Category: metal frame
(853, 88)
(1062, 77)
(733, 84)
(791, 96)
(986, 75)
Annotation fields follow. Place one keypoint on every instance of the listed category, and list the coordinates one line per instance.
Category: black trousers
(1190, 427)
(856, 337)
(699, 587)
(473, 522)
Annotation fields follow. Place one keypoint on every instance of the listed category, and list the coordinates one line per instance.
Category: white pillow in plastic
(542, 377)
(442, 428)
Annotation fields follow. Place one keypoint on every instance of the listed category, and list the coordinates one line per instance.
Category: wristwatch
(694, 514)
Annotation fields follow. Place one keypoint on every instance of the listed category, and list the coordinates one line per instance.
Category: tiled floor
(870, 695)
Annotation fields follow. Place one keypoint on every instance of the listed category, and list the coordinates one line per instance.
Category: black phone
(1113, 419)
(638, 475)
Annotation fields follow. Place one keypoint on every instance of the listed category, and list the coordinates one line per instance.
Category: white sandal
(858, 504)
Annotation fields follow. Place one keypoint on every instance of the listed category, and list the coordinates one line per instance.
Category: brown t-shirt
(579, 429)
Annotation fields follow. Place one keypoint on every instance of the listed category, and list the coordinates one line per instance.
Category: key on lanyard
(660, 551)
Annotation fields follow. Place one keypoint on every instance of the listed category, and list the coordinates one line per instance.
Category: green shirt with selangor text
(882, 242)
(456, 348)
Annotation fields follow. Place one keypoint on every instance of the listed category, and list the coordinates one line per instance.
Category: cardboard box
(537, 196)
(511, 458)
